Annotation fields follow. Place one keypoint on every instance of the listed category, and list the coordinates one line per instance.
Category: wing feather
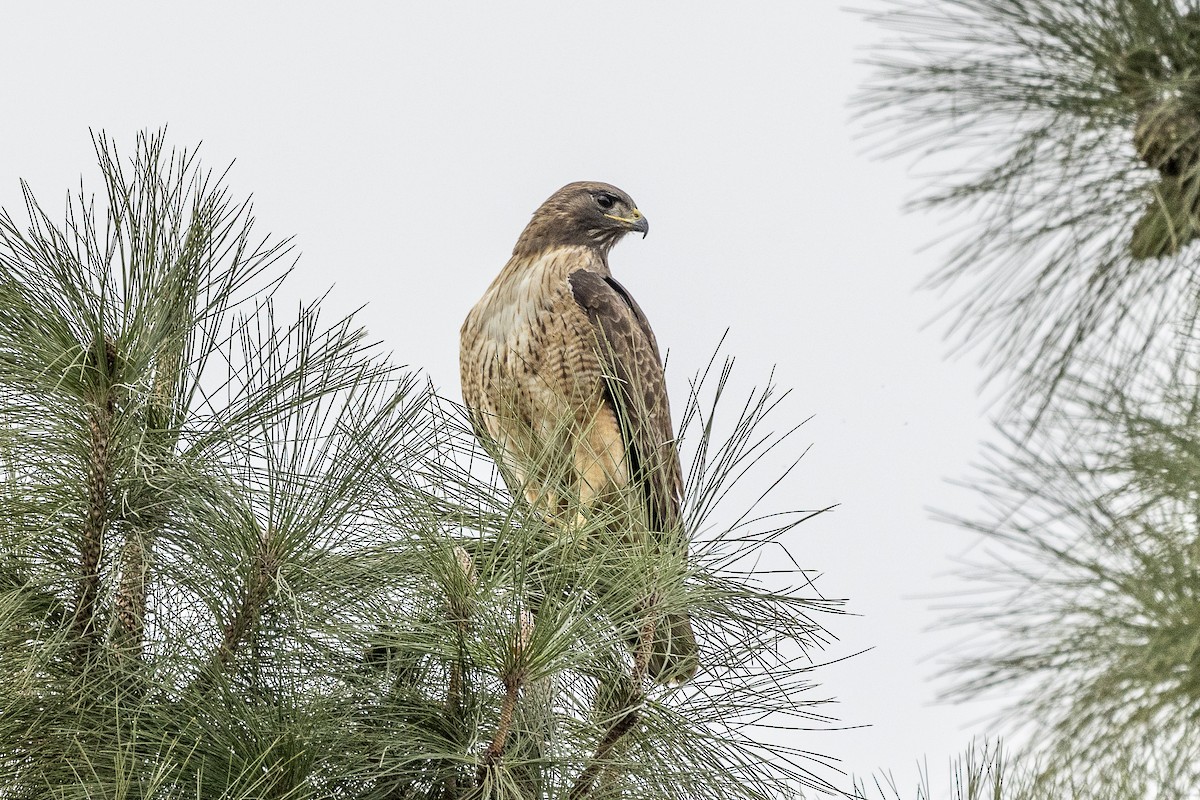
(636, 387)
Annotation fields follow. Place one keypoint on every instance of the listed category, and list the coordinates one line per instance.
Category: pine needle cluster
(242, 555)
(1069, 132)
(982, 772)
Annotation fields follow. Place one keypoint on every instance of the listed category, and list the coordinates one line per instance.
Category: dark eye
(605, 201)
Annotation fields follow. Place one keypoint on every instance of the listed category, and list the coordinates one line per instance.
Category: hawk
(562, 374)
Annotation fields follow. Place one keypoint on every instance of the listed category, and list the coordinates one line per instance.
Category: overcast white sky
(406, 145)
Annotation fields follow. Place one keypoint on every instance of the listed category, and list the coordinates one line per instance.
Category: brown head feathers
(585, 213)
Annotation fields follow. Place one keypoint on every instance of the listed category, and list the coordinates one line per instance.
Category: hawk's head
(585, 213)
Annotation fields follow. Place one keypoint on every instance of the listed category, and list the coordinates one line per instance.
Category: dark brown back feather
(636, 387)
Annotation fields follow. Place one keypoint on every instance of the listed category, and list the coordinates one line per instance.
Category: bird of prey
(561, 373)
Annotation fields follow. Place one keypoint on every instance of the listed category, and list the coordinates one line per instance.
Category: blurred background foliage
(1064, 139)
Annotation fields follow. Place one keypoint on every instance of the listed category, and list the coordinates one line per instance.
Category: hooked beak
(636, 221)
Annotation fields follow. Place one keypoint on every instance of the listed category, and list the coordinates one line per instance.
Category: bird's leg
(543, 499)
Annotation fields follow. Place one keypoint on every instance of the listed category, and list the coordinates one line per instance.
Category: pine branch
(131, 594)
(622, 724)
(257, 592)
(625, 719)
(514, 679)
(91, 541)
(146, 513)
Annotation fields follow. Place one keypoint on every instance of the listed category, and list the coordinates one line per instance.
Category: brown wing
(637, 389)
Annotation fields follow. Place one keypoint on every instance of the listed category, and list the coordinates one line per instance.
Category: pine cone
(1169, 221)
(1139, 72)
(1167, 136)
(1185, 56)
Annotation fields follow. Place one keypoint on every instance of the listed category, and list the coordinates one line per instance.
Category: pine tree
(1074, 132)
(242, 555)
